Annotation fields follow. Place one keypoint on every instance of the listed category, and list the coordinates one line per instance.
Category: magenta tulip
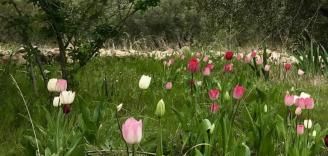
(213, 94)
(132, 131)
(214, 108)
(207, 71)
(309, 103)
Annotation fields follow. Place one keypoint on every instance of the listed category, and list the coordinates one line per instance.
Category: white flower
(308, 123)
(67, 97)
(300, 72)
(314, 133)
(119, 107)
(52, 85)
(304, 95)
(267, 67)
(199, 83)
(144, 82)
(56, 101)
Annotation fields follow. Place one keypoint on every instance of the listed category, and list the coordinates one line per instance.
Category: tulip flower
(253, 53)
(144, 82)
(259, 60)
(314, 133)
(210, 65)
(132, 131)
(248, 58)
(67, 97)
(240, 56)
(228, 68)
(267, 68)
(207, 71)
(326, 140)
(300, 72)
(226, 96)
(298, 111)
(119, 107)
(168, 86)
(309, 103)
(300, 129)
(56, 101)
(213, 94)
(206, 58)
(193, 65)
(300, 102)
(308, 124)
(289, 100)
(214, 107)
(228, 55)
(61, 85)
(52, 85)
(265, 108)
(198, 54)
(160, 109)
(238, 92)
(287, 66)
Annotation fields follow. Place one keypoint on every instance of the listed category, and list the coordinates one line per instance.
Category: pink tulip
(210, 65)
(228, 68)
(253, 53)
(206, 58)
(289, 100)
(287, 66)
(61, 85)
(300, 102)
(213, 94)
(267, 68)
(248, 58)
(238, 92)
(214, 108)
(259, 60)
(193, 65)
(132, 131)
(207, 71)
(168, 85)
(298, 111)
(300, 129)
(240, 56)
(309, 103)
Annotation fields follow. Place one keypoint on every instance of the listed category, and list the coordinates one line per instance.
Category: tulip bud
(308, 124)
(267, 68)
(160, 109)
(298, 111)
(226, 96)
(300, 129)
(265, 108)
(52, 85)
(119, 107)
(300, 72)
(212, 128)
(56, 101)
(207, 126)
(314, 133)
(144, 82)
(67, 97)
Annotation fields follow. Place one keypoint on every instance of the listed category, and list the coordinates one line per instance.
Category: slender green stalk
(29, 114)
(161, 137)
(133, 150)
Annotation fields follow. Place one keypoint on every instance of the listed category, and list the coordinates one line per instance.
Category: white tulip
(314, 133)
(300, 72)
(56, 101)
(305, 95)
(308, 123)
(144, 82)
(199, 83)
(52, 85)
(119, 107)
(67, 97)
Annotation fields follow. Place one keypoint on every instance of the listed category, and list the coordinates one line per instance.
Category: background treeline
(176, 23)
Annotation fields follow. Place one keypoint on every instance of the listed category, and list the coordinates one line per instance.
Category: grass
(93, 111)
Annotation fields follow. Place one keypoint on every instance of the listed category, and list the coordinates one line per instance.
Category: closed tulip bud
(298, 111)
(289, 100)
(300, 72)
(267, 68)
(67, 97)
(308, 124)
(207, 71)
(168, 86)
(160, 109)
(207, 126)
(314, 133)
(300, 129)
(212, 128)
(132, 131)
(214, 107)
(56, 101)
(265, 108)
(144, 82)
(213, 94)
(119, 107)
(238, 92)
(52, 85)
(226, 96)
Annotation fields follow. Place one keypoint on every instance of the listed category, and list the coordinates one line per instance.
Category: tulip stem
(121, 132)
(160, 152)
(133, 150)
